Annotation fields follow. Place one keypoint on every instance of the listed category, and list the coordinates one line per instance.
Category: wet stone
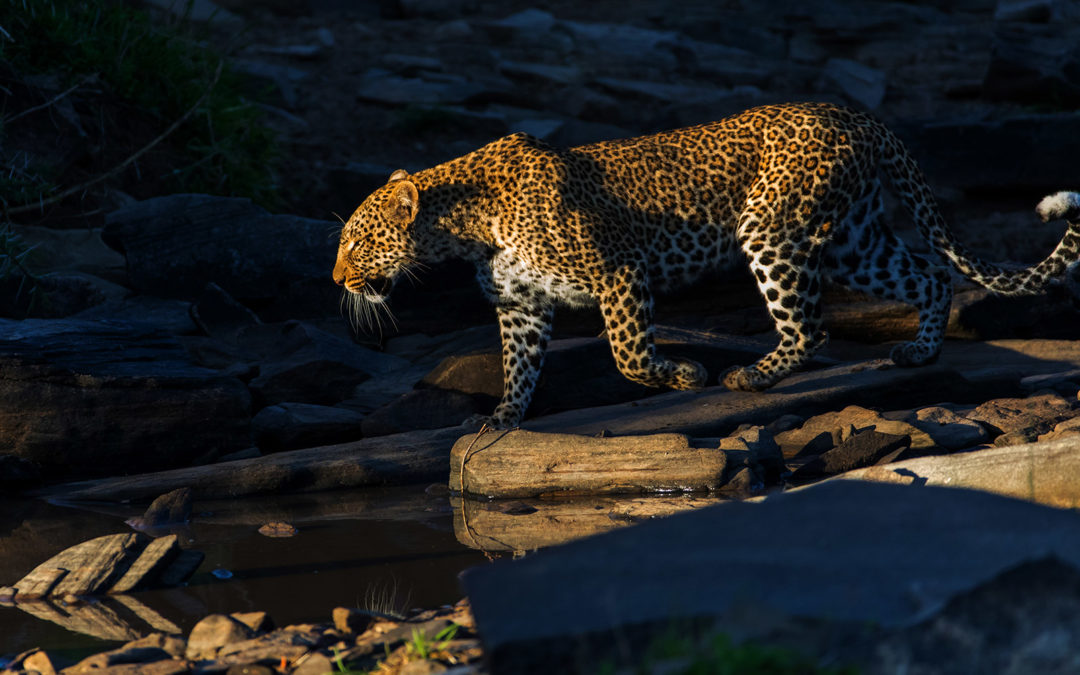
(278, 530)
(351, 621)
(171, 508)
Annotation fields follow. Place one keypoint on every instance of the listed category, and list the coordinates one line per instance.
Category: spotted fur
(793, 189)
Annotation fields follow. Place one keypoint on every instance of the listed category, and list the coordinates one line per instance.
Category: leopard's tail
(915, 194)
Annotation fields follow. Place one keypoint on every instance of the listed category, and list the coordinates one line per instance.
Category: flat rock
(1006, 415)
(420, 409)
(176, 245)
(1043, 472)
(123, 388)
(114, 563)
(717, 411)
(288, 426)
(938, 545)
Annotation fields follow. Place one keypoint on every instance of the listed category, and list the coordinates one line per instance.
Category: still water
(384, 549)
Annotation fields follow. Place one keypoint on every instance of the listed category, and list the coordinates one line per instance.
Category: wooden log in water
(522, 463)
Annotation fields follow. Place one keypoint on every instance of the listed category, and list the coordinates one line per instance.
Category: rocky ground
(197, 342)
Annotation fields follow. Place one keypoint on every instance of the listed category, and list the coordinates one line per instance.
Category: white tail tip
(1059, 205)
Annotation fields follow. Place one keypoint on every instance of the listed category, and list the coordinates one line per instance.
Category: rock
(541, 73)
(262, 75)
(527, 25)
(716, 411)
(599, 586)
(824, 432)
(862, 84)
(1037, 11)
(170, 644)
(351, 621)
(315, 663)
(111, 564)
(379, 86)
(287, 426)
(971, 154)
(220, 316)
(1065, 429)
(290, 643)
(458, 29)
(1043, 472)
(437, 9)
(54, 295)
(864, 448)
(761, 445)
(125, 655)
(214, 632)
(527, 464)
(176, 245)
(1034, 65)
(40, 662)
(171, 508)
(420, 409)
(203, 11)
(278, 530)
(7, 595)
(260, 622)
(307, 365)
(169, 316)
(1005, 415)
(108, 376)
(948, 429)
(422, 667)
(17, 473)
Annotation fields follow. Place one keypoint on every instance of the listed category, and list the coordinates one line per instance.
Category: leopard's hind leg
(865, 255)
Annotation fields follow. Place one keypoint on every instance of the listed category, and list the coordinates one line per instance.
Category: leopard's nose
(339, 274)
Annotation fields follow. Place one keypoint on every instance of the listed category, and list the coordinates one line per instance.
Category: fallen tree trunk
(1048, 472)
(522, 463)
(412, 457)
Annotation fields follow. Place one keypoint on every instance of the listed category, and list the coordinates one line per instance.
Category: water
(384, 549)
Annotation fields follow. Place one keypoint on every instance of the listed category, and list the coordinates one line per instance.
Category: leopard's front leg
(627, 307)
(524, 330)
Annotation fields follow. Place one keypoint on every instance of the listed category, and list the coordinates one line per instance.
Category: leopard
(795, 191)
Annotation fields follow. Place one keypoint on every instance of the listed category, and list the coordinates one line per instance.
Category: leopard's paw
(745, 379)
(688, 375)
(912, 354)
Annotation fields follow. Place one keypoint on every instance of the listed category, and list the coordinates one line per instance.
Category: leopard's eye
(351, 245)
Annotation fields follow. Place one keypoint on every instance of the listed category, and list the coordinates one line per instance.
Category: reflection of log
(537, 523)
(527, 464)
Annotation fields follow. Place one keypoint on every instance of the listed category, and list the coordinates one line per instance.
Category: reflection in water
(530, 524)
(350, 548)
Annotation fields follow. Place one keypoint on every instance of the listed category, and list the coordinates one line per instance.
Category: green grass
(152, 68)
(717, 655)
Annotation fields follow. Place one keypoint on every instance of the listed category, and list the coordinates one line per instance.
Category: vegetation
(130, 77)
(717, 655)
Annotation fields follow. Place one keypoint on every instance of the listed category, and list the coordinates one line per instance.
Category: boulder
(220, 316)
(287, 426)
(132, 399)
(985, 153)
(421, 409)
(176, 245)
(212, 633)
(307, 365)
(824, 432)
(167, 315)
(115, 563)
(171, 508)
(1034, 65)
(948, 429)
(862, 84)
(582, 598)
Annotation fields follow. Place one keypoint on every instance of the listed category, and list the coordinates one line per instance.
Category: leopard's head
(376, 244)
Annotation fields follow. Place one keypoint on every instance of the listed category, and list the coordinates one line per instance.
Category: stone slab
(843, 551)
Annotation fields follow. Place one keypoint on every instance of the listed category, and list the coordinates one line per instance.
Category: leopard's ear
(404, 203)
(400, 174)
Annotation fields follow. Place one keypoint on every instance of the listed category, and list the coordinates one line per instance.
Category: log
(1044, 472)
(412, 457)
(522, 463)
(539, 523)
